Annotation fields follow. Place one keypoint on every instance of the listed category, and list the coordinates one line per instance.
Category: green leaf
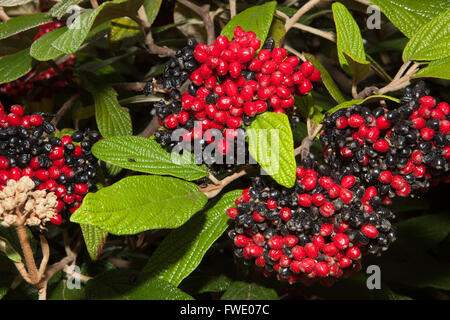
(327, 79)
(350, 44)
(257, 19)
(436, 69)
(140, 203)
(22, 23)
(271, 144)
(42, 48)
(5, 283)
(183, 249)
(432, 41)
(9, 243)
(348, 104)
(123, 31)
(152, 9)
(132, 285)
(61, 8)
(277, 31)
(74, 37)
(15, 65)
(13, 3)
(409, 15)
(112, 119)
(146, 155)
(95, 239)
(249, 291)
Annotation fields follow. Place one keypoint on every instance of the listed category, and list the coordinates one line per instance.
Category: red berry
(57, 219)
(370, 231)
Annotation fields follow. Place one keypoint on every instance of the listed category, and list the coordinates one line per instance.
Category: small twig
(65, 108)
(94, 3)
(138, 86)
(305, 8)
(45, 255)
(354, 90)
(213, 179)
(28, 253)
(76, 275)
(150, 128)
(313, 130)
(212, 190)
(298, 54)
(324, 34)
(203, 11)
(402, 70)
(23, 272)
(3, 15)
(367, 92)
(402, 82)
(232, 8)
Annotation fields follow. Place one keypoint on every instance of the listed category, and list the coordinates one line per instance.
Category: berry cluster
(35, 78)
(231, 84)
(398, 151)
(316, 231)
(63, 165)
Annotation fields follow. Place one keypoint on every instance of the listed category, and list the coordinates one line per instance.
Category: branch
(45, 255)
(298, 54)
(306, 7)
(94, 3)
(150, 128)
(28, 254)
(3, 15)
(66, 107)
(203, 11)
(324, 34)
(212, 190)
(313, 130)
(232, 8)
(138, 86)
(76, 275)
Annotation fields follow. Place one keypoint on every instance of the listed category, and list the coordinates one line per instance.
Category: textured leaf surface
(350, 44)
(15, 65)
(257, 19)
(42, 48)
(249, 291)
(432, 41)
(22, 23)
(131, 285)
(112, 119)
(73, 38)
(271, 144)
(327, 79)
(123, 31)
(183, 249)
(95, 239)
(409, 15)
(140, 203)
(62, 7)
(13, 3)
(145, 155)
(348, 104)
(436, 69)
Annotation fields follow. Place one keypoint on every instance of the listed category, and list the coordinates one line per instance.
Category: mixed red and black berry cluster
(398, 151)
(231, 83)
(63, 165)
(317, 230)
(44, 80)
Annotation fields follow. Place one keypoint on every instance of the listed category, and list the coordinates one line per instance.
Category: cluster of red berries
(233, 83)
(318, 230)
(36, 78)
(397, 152)
(64, 165)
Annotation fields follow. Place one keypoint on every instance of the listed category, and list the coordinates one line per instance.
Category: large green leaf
(409, 15)
(249, 291)
(140, 203)
(183, 249)
(432, 41)
(112, 119)
(277, 31)
(146, 155)
(352, 56)
(152, 9)
(257, 19)
(62, 7)
(73, 38)
(271, 144)
(22, 23)
(370, 99)
(436, 69)
(123, 32)
(15, 65)
(42, 48)
(132, 285)
(327, 79)
(95, 239)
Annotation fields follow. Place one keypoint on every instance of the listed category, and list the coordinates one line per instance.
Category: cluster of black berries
(63, 165)
(397, 151)
(230, 84)
(317, 230)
